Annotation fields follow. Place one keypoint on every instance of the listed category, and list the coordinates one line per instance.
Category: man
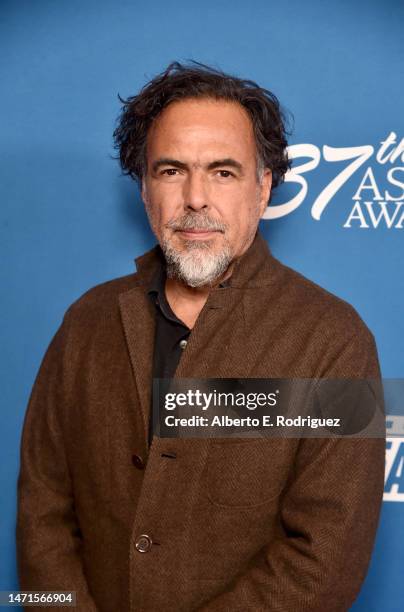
(132, 521)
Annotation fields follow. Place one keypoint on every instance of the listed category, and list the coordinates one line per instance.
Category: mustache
(196, 221)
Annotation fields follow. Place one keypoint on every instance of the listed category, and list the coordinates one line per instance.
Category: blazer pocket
(246, 473)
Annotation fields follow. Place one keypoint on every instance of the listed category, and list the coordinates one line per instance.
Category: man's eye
(170, 171)
(225, 173)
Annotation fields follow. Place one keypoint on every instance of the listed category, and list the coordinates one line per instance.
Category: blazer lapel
(213, 350)
(139, 325)
(219, 344)
(138, 321)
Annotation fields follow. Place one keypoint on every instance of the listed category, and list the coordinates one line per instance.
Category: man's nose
(195, 192)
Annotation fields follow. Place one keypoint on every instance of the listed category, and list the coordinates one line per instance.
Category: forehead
(194, 126)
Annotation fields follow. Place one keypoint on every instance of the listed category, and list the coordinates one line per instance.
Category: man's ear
(265, 186)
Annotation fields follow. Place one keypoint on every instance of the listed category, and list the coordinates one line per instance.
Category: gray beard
(197, 266)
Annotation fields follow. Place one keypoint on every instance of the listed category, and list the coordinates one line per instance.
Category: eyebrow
(227, 161)
(218, 163)
(168, 161)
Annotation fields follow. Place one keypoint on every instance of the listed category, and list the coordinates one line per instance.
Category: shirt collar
(157, 294)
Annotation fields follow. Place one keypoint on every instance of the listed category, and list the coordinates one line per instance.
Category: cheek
(164, 203)
(243, 210)
(153, 212)
(243, 222)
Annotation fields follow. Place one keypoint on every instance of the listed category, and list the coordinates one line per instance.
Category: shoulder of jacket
(102, 299)
(334, 314)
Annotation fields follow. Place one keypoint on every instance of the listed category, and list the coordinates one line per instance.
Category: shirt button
(143, 543)
(183, 344)
(138, 462)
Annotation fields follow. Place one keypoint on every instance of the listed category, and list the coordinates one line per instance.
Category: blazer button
(143, 543)
(138, 462)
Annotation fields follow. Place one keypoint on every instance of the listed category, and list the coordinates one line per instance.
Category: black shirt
(170, 338)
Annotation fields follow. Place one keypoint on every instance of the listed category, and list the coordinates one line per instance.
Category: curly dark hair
(196, 80)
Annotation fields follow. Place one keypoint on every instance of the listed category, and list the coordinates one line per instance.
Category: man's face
(201, 189)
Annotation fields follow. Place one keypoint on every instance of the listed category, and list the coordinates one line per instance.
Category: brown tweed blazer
(240, 525)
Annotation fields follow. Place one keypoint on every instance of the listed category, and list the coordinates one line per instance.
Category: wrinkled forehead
(202, 128)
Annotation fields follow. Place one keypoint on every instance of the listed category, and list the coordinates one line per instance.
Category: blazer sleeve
(329, 515)
(48, 533)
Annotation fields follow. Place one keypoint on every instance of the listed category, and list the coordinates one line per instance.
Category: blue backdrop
(70, 221)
